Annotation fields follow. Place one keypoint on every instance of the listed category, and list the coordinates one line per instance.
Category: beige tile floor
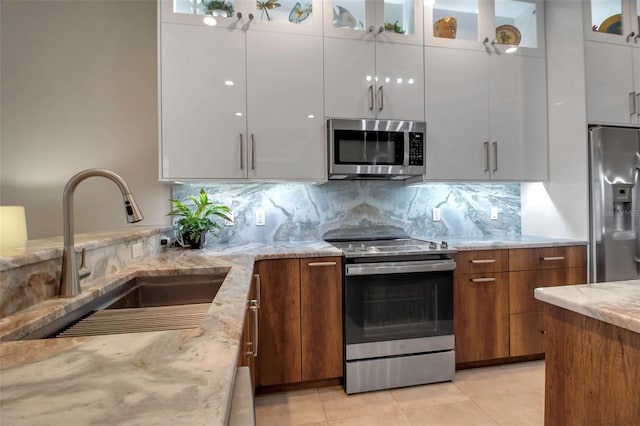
(510, 395)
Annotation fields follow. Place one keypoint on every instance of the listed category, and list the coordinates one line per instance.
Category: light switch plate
(137, 251)
(260, 217)
(436, 214)
(494, 213)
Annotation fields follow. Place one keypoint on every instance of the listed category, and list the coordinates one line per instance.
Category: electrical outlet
(231, 219)
(137, 250)
(260, 217)
(494, 213)
(436, 214)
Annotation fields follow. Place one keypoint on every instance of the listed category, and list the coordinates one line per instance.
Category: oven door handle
(400, 267)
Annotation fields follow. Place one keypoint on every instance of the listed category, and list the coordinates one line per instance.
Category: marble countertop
(523, 241)
(616, 303)
(50, 248)
(167, 377)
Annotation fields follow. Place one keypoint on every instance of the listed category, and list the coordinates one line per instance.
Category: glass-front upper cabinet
(397, 21)
(295, 16)
(503, 26)
(613, 21)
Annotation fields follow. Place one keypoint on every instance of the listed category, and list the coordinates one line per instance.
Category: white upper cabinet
(395, 21)
(365, 79)
(457, 111)
(613, 21)
(285, 124)
(612, 29)
(282, 16)
(516, 26)
(202, 103)
(240, 104)
(502, 104)
(518, 118)
(613, 96)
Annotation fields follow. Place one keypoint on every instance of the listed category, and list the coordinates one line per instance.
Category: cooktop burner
(390, 247)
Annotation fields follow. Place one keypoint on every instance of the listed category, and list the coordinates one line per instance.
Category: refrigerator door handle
(634, 209)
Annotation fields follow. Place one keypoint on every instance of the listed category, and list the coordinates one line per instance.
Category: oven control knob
(363, 247)
(444, 245)
(350, 247)
(433, 246)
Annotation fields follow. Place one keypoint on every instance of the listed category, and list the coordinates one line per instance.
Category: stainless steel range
(398, 311)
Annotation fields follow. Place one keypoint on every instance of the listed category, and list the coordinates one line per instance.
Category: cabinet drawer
(527, 334)
(523, 283)
(547, 258)
(477, 261)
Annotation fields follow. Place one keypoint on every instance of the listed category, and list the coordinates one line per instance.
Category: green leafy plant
(219, 5)
(388, 26)
(195, 223)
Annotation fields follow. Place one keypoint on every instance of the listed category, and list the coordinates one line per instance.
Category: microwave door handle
(406, 149)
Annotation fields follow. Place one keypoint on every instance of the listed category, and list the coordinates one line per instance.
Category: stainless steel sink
(146, 292)
(140, 304)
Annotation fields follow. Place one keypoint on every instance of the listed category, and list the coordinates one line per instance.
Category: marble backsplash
(305, 212)
(25, 284)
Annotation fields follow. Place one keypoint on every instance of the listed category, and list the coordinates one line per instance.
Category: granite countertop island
(592, 353)
(166, 377)
(616, 303)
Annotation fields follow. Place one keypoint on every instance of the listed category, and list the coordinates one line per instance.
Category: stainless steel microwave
(375, 149)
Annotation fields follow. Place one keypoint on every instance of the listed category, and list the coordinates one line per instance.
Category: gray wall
(79, 90)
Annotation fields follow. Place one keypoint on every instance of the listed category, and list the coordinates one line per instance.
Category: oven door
(396, 308)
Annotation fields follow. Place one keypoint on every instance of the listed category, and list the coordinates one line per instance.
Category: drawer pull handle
(322, 264)
(543, 331)
(553, 258)
(482, 280)
(484, 261)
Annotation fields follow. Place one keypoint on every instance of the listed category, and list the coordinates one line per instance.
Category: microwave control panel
(416, 149)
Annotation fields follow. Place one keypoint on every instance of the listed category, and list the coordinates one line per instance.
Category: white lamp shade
(13, 226)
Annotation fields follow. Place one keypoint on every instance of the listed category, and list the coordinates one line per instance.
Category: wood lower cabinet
(481, 310)
(300, 334)
(321, 318)
(249, 342)
(279, 357)
(532, 268)
(495, 312)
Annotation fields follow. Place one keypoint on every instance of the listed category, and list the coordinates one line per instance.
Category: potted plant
(193, 225)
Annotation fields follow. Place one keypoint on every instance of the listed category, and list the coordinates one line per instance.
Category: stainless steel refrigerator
(614, 168)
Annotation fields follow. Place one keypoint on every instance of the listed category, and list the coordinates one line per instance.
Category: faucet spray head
(131, 209)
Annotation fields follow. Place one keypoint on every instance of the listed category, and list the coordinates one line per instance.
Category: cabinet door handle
(312, 264)
(253, 152)
(632, 103)
(381, 29)
(257, 278)
(552, 258)
(371, 28)
(381, 98)
(241, 152)
(486, 157)
(371, 97)
(254, 310)
(630, 36)
(638, 103)
(495, 156)
(482, 280)
(483, 261)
